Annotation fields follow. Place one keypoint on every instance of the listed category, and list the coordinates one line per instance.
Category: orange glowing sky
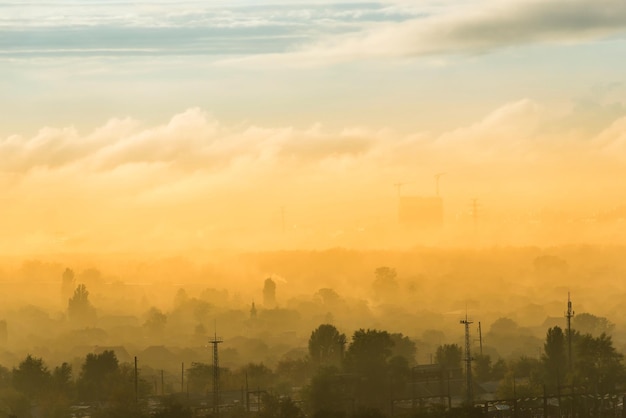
(149, 126)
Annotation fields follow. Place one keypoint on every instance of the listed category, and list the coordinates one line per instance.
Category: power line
(480, 338)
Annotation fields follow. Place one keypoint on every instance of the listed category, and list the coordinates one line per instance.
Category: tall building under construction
(420, 212)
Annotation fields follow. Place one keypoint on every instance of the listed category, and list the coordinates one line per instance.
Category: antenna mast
(468, 358)
(569, 314)
(216, 375)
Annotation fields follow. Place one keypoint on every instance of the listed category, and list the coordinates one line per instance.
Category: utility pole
(247, 395)
(468, 359)
(569, 314)
(182, 377)
(216, 376)
(136, 382)
(480, 338)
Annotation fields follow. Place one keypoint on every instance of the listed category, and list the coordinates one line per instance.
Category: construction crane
(398, 187)
(437, 177)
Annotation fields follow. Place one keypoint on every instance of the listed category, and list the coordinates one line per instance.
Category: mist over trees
(79, 308)
(326, 346)
(351, 337)
(365, 379)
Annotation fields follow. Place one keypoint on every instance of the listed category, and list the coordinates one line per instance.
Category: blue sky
(419, 57)
(123, 106)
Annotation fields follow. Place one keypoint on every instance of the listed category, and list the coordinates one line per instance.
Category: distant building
(253, 312)
(269, 293)
(420, 212)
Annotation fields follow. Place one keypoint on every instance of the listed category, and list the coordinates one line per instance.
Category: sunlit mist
(312, 209)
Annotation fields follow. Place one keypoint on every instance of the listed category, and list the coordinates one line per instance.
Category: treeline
(32, 389)
(364, 376)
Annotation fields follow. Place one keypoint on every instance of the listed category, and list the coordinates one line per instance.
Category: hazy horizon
(270, 125)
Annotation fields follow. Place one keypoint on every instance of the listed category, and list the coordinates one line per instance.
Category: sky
(172, 126)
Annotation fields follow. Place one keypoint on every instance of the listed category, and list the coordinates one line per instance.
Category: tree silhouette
(385, 283)
(368, 356)
(526, 366)
(181, 298)
(555, 357)
(403, 346)
(328, 297)
(199, 377)
(61, 393)
(31, 377)
(482, 367)
(597, 364)
(326, 345)
(259, 375)
(328, 393)
(97, 376)
(79, 308)
(587, 323)
(62, 379)
(155, 321)
(449, 356)
(368, 351)
(296, 371)
(68, 283)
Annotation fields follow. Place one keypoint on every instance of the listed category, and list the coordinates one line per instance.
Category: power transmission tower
(475, 211)
(216, 375)
(468, 359)
(282, 219)
(569, 314)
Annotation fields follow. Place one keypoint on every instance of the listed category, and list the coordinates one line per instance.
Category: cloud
(305, 34)
(194, 140)
(519, 23)
(612, 139)
(182, 29)
(504, 133)
(472, 28)
(191, 140)
(56, 147)
(194, 172)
